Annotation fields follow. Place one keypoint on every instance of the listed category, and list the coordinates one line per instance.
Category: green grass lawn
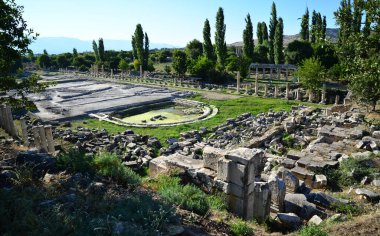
(227, 109)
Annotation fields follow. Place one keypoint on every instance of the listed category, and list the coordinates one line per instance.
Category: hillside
(331, 33)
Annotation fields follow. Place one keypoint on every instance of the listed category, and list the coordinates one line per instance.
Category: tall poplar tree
(305, 26)
(357, 16)
(134, 50)
(313, 33)
(220, 41)
(146, 52)
(279, 42)
(264, 29)
(139, 44)
(248, 43)
(319, 28)
(96, 50)
(101, 50)
(272, 29)
(208, 49)
(259, 33)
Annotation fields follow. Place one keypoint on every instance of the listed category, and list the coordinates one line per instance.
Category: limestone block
(158, 166)
(290, 220)
(297, 203)
(295, 155)
(224, 170)
(278, 189)
(291, 181)
(320, 181)
(316, 220)
(211, 156)
(261, 202)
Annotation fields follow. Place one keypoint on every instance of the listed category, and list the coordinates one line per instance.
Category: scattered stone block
(290, 220)
(261, 202)
(320, 181)
(211, 156)
(315, 220)
(291, 181)
(371, 196)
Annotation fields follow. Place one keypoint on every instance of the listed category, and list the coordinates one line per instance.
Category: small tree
(311, 74)
(180, 62)
(123, 65)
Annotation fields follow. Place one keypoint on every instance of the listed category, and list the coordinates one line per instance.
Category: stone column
(287, 91)
(266, 90)
(336, 99)
(37, 139)
(238, 82)
(11, 124)
(275, 90)
(257, 73)
(278, 189)
(287, 73)
(299, 96)
(310, 96)
(44, 145)
(278, 73)
(141, 71)
(257, 87)
(24, 131)
(323, 97)
(49, 139)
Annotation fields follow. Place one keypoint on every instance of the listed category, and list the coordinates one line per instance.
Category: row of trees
(316, 32)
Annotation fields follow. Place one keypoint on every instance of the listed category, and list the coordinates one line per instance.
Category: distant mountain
(57, 45)
(331, 33)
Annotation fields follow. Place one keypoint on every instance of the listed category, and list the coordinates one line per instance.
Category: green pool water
(172, 114)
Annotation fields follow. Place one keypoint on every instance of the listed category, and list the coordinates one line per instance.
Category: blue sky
(174, 22)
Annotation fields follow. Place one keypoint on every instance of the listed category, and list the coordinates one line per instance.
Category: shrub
(217, 202)
(347, 209)
(241, 228)
(76, 161)
(312, 230)
(109, 165)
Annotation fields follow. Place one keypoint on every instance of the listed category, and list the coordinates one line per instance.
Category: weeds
(240, 227)
(312, 230)
(349, 209)
(75, 161)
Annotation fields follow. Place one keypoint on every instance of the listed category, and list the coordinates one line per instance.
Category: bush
(312, 230)
(241, 228)
(75, 161)
(109, 165)
(347, 209)
(202, 67)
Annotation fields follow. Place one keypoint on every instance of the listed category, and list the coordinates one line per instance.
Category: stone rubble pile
(270, 162)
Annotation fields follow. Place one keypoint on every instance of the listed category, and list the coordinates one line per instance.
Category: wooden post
(49, 138)
(44, 145)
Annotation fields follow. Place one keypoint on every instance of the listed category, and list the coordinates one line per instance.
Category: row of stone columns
(43, 138)
(6, 120)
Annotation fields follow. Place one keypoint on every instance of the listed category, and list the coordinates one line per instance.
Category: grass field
(227, 109)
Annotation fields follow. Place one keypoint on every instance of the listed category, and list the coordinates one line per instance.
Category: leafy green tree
(136, 64)
(240, 64)
(259, 33)
(101, 50)
(305, 26)
(264, 30)
(208, 48)
(279, 42)
(297, 51)
(202, 67)
(123, 65)
(261, 53)
(357, 16)
(180, 62)
(272, 30)
(194, 49)
(44, 61)
(343, 18)
(311, 74)
(96, 50)
(75, 53)
(326, 54)
(248, 43)
(220, 41)
(62, 61)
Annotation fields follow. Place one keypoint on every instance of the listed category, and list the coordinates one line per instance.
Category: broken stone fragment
(371, 196)
(315, 220)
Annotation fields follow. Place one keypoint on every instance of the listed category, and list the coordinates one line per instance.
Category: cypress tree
(96, 50)
(220, 43)
(75, 53)
(313, 33)
(272, 30)
(146, 52)
(208, 49)
(343, 18)
(101, 50)
(264, 29)
(279, 42)
(248, 42)
(305, 26)
(324, 27)
(259, 33)
(357, 16)
(367, 27)
(319, 27)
